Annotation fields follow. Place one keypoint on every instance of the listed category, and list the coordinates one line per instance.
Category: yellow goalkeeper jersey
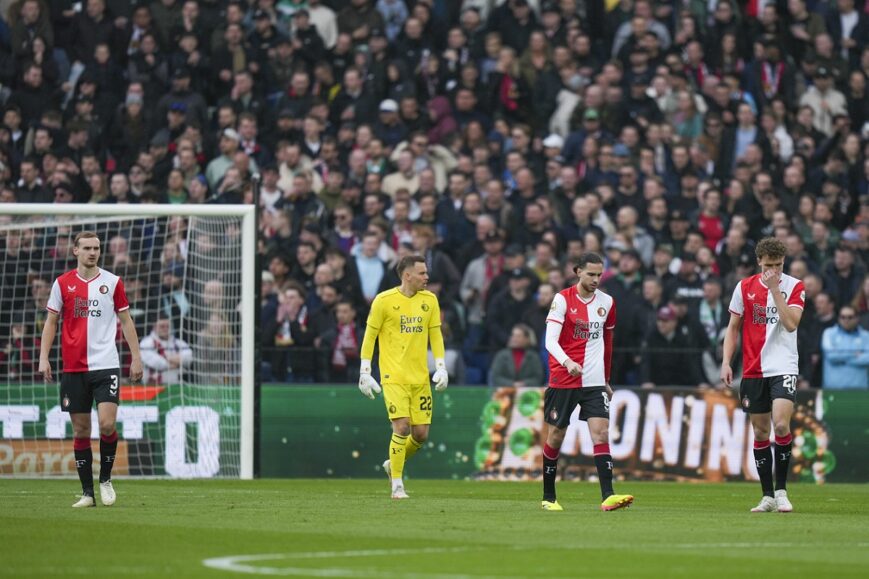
(402, 326)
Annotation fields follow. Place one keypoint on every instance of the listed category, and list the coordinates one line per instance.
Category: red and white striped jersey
(768, 349)
(582, 337)
(88, 310)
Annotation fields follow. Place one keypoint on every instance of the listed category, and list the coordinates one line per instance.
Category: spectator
(845, 349)
(164, 355)
(669, 357)
(518, 365)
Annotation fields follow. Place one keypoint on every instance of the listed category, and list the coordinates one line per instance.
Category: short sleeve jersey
(88, 312)
(403, 325)
(768, 349)
(582, 327)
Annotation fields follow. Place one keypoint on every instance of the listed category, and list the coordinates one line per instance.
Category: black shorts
(757, 394)
(558, 404)
(78, 390)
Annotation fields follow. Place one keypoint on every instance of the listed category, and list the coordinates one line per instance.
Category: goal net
(189, 277)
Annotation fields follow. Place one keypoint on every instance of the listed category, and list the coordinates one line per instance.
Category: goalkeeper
(403, 320)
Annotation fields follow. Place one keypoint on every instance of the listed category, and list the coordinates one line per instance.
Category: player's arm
(49, 331)
(129, 330)
(554, 323)
(440, 378)
(367, 384)
(789, 312)
(731, 338)
(609, 329)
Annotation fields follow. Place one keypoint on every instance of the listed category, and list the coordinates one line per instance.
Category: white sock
(397, 482)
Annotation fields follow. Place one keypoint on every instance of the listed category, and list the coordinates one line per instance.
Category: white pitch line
(238, 564)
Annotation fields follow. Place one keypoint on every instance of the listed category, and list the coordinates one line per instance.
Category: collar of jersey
(99, 273)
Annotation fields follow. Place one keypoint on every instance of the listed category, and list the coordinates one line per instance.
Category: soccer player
(90, 300)
(768, 306)
(404, 320)
(579, 338)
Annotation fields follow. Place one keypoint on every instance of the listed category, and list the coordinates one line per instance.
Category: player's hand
(771, 279)
(726, 374)
(135, 370)
(45, 370)
(440, 378)
(573, 368)
(368, 385)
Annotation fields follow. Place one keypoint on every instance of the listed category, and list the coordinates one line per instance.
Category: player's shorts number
(425, 403)
(113, 389)
(790, 383)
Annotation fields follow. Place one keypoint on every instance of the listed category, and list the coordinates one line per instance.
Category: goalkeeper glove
(440, 377)
(367, 384)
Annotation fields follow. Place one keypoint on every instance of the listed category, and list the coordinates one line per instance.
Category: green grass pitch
(447, 530)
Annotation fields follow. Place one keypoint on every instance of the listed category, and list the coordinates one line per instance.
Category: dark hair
(407, 262)
(585, 259)
(770, 247)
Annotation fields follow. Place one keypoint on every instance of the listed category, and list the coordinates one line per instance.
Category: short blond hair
(84, 235)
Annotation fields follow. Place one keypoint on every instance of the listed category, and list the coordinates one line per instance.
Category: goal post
(192, 264)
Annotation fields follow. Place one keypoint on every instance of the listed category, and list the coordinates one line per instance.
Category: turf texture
(447, 530)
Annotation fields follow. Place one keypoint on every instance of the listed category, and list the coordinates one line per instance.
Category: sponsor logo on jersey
(424, 307)
(396, 308)
(70, 288)
(104, 289)
(411, 324)
(572, 310)
(751, 296)
(764, 314)
(86, 308)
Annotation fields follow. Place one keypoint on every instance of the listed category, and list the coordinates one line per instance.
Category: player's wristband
(365, 366)
(440, 364)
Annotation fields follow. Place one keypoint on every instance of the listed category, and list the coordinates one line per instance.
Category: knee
(782, 429)
(402, 428)
(81, 431)
(601, 437)
(556, 437)
(106, 428)
(761, 432)
(420, 437)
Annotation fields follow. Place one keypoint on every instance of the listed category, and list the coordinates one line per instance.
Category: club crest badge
(66, 401)
(601, 311)
(104, 289)
(425, 307)
(554, 414)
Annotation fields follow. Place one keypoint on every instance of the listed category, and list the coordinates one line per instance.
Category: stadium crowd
(499, 139)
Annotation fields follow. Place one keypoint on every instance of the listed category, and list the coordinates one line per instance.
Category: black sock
(84, 464)
(782, 461)
(763, 462)
(603, 460)
(550, 469)
(108, 449)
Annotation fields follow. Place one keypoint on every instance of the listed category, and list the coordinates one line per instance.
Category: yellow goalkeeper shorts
(412, 401)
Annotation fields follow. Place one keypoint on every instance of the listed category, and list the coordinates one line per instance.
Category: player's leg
(754, 394)
(783, 390)
(106, 386)
(558, 404)
(595, 410)
(418, 436)
(397, 399)
(420, 418)
(84, 456)
(77, 399)
(763, 457)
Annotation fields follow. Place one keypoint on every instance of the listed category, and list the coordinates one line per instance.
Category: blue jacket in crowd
(846, 358)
